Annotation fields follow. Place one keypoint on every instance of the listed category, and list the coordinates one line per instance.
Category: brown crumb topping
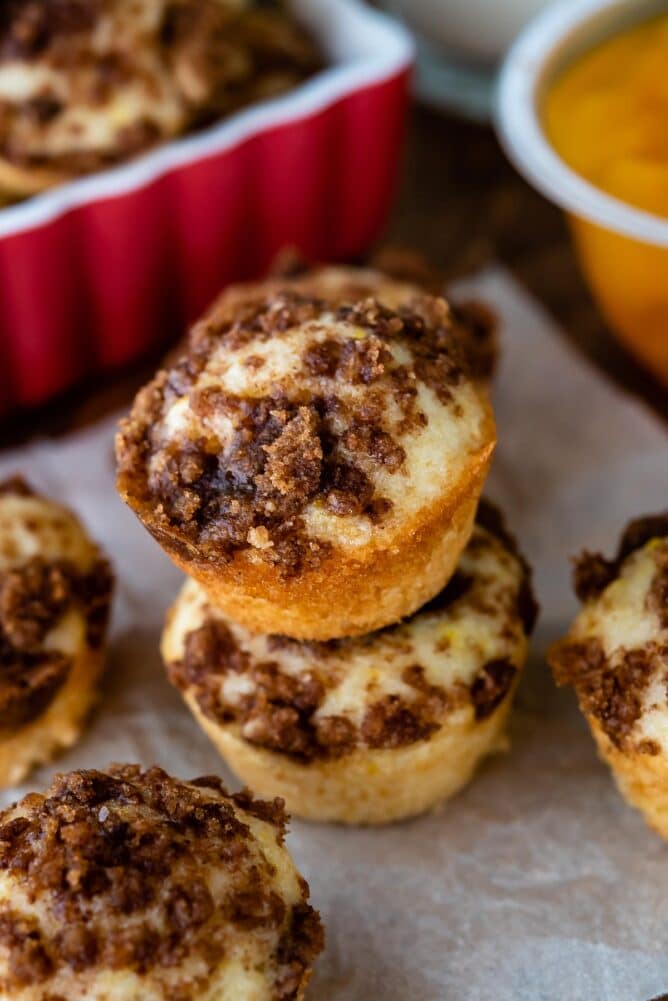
(657, 599)
(611, 687)
(491, 686)
(306, 442)
(120, 865)
(490, 517)
(34, 597)
(608, 688)
(593, 572)
(281, 710)
(16, 486)
(215, 58)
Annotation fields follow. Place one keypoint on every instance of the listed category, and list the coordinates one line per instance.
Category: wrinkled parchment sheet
(536, 882)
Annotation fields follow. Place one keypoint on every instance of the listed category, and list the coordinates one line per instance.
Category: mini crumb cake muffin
(88, 83)
(129, 885)
(371, 729)
(315, 457)
(616, 658)
(55, 593)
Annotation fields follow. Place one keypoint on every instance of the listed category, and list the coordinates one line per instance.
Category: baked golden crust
(616, 657)
(371, 728)
(89, 83)
(55, 592)
(129, 884)
(272, 462)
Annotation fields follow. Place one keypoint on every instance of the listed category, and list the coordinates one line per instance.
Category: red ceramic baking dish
(97, 271)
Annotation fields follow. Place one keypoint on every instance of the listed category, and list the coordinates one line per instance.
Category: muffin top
(129, 884)
(616, 652)
(55, 592)
(330, 410)
(454, 660)
(89, 82)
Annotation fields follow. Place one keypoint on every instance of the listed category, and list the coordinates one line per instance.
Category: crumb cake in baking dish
(85, 84)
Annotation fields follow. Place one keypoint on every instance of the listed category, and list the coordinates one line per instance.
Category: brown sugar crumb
(608, 688)
(337, 734)
(300, 444)
(390, 722)
(33, 598)
(282, 458)
(26, 29)
(29, 683)
(280, 711)
(28, 960)
(303, 939)
(118, 865)
(270, 811)
(322, 358)
(294, 459)
(350, 491)
(642, 530)
(491, 686)
(217, 58)
(490, 517)
(433, 702)
(657, 599)
(16, 486)
(593, 572)
(378, 444)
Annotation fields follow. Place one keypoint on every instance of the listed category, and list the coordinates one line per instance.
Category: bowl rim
(389, 52)
(523, 138)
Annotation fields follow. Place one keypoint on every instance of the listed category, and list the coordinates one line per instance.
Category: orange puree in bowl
(607, 117)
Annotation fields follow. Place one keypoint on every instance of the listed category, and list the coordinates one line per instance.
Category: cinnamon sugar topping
(116, 78)
(593, 572)
(613, 679)
(131, 869)
(33, 599)
(211, 461)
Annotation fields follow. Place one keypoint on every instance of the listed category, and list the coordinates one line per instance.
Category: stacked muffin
(351, 635)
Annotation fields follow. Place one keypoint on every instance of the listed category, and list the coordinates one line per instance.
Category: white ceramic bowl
(623, 250)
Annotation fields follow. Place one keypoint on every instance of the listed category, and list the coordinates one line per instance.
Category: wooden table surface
(462, 204)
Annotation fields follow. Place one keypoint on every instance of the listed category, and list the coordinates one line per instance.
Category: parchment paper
(536, 883)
